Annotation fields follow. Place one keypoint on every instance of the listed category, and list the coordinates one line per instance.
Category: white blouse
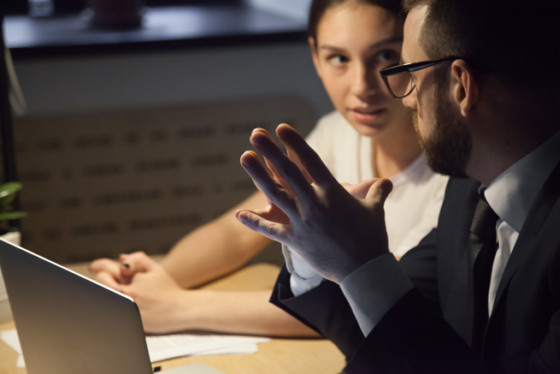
(411, 209)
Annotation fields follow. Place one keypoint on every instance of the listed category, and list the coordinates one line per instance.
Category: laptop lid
(69, 324)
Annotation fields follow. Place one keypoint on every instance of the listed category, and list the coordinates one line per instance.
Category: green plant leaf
(6, 216)
(7, 194)
(9, 188)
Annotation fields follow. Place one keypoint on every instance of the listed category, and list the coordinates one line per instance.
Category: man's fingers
(277, 177)
(360, 189)
(274, 192)
(271, 230)
(379, 190)
(296, 160)
(286, 170)
(306, 156)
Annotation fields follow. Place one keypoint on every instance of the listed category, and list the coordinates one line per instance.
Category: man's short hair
(517, 41)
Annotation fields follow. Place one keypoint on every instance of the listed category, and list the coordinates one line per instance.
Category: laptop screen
(68, 323)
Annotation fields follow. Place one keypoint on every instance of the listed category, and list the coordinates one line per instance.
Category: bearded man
(481, 293)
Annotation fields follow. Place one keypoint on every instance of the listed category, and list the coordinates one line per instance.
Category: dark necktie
(483, 241)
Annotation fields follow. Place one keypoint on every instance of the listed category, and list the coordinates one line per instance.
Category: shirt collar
(512, 193)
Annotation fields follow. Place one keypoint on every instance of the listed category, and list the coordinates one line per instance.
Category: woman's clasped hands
(163, 305)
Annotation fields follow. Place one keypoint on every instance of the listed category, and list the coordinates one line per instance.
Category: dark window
(73, 6)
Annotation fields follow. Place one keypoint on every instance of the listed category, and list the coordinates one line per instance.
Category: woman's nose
(366, 81)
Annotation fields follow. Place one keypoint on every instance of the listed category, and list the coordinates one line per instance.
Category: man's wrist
(303, 278)
(384, 283)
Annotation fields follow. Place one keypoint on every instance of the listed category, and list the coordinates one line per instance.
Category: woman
(370, 134)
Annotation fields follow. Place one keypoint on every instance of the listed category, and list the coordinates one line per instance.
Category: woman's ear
(314, 56)
(312, 45)
(464, 87)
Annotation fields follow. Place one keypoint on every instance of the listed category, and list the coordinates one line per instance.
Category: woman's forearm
(238, 313)
(215, 249)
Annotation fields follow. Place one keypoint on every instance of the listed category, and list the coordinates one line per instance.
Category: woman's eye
(388, 57)
(337, 60)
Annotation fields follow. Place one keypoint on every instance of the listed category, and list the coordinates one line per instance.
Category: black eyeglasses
(398, 79)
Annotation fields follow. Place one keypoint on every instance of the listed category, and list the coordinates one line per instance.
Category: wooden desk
(274, 357)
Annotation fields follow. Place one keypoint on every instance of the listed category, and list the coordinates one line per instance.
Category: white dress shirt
(510, 195)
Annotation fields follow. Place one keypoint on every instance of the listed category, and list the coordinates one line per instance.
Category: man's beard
(448, 148)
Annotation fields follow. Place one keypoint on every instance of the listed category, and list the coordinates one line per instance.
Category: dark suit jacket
(428, 330)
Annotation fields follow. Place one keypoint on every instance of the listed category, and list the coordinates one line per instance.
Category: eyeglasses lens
(401, 84)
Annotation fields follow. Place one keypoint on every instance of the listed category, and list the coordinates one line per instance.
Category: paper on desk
(11, 339)
(163, 347)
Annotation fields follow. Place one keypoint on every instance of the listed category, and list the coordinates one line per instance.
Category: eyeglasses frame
(410, 68)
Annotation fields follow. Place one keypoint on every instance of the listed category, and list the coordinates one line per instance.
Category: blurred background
(128, 127)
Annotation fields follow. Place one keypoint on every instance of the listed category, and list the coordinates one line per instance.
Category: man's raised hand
(325, 224)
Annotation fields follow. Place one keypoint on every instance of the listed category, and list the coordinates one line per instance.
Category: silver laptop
(69, 324)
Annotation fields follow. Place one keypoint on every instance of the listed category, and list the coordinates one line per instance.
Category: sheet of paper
(163, 347)
(10, 337)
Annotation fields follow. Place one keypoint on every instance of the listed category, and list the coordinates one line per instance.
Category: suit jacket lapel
(454, 256)
(535, 224)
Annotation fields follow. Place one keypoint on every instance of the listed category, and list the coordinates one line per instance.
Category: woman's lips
(367, 114)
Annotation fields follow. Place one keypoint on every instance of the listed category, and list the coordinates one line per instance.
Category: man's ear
(464, 87)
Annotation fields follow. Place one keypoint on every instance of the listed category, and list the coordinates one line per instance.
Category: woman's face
(355, 41)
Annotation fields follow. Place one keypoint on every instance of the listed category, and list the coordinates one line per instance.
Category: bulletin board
(101, 183)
